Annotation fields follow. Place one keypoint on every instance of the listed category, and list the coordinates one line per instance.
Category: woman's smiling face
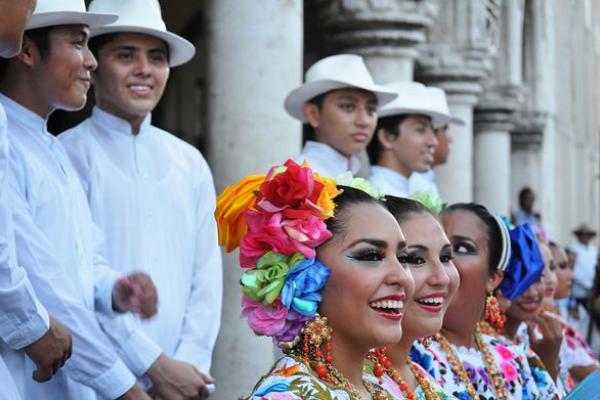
(365, 296)
(429, 256)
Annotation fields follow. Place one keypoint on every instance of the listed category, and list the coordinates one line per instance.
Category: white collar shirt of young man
(153, 196)
(326, 160)
(61, 249)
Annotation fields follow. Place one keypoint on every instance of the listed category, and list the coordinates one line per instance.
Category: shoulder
(183, 151)
(290, 379)
(76, 136)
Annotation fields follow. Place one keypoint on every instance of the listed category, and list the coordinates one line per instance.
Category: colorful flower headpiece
(277, 221)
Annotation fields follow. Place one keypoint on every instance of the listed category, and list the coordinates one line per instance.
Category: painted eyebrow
(417, 247)
(374, 242)
(463, 238)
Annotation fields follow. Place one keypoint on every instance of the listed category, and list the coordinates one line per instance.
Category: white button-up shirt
(327, 161)
(423, 182)
(585, 268)
(57, 243)
(153, 196)
(388, 181)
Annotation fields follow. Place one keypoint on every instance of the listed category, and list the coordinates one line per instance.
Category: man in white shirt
(425, 181)
(404, 139)
(338, 105)
(24, 321)
(56, 241)
(585, 264)
(150, 192)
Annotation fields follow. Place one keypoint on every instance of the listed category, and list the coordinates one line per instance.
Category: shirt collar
(117, 124)
(395, 178)
(324, 150)
(27, 118)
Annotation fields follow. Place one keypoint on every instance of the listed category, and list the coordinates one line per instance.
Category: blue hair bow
(525, 265)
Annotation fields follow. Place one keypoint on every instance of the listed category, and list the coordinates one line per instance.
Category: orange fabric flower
(231, 205)
(329, 192)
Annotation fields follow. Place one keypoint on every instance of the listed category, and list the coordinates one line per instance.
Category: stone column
(384, 32)
(492, 160)
(254, 58)
(457, 58)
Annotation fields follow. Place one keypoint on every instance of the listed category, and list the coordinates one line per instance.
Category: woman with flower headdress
(429, 257)
(307, 245)
(466, 362)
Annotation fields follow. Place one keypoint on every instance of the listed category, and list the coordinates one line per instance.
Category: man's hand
(548, 346)
(135, 393)
(176, 380)
(50, 352)
(135, 293)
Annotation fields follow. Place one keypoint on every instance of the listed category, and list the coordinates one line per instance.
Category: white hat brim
(457, 121)
(180, 49)
(58, 18)
(438, 119)
(294, 102)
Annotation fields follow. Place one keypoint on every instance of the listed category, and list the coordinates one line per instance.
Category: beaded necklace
(459, 370)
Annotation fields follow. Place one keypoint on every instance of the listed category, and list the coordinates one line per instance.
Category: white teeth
(387, 304)
(139, 87)
(432, 300)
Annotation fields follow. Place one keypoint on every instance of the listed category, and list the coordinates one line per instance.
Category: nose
(400, 276)
(363, 117)
(89, 61)
(431, 138)
(143, 65)
(438, 275)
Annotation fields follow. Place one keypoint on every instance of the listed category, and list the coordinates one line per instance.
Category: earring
(493, 314)
(315, 333)
(426, 341)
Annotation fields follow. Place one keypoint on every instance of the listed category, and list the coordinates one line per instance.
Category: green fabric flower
(430, 200)
(264, 283)
(347, 179)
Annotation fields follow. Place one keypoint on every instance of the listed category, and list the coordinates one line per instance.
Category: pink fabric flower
(504, 352)
(293, 324)
(509, 371)
(264, 319)
(266, 234)
(306, 234)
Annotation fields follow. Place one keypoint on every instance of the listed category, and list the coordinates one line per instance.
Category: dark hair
(348, 197)
(403, 208)
(524, 192)
(389, 124)
(41, 38)
(494, 235)
(308, 132)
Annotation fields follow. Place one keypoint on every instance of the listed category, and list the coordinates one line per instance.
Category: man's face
(65, 76)
(132, 74)
(527, 202)
(346, 120)
(415, 144)
(13, 19)
(444, 137)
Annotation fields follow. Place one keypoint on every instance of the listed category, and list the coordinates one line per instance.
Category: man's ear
(29, 54)
(312, 114)
(385, 139)
(494, 281)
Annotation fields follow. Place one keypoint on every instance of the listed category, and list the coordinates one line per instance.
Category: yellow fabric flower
(329, 192)
(231, 205)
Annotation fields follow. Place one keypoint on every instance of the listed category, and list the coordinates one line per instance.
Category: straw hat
(341, 71)
(143, 16)
(66, 12)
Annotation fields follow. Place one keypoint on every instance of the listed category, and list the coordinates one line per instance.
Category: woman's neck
(510, 328)
(399, 353)
(349, 362)
(461, 335)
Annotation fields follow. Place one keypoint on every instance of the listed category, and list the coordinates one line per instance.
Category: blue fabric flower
(302, 286)
(424, 359)
(525, 265)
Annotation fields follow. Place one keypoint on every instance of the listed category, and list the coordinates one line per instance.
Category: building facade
(521, 73)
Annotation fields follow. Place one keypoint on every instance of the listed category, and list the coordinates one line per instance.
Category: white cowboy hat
(416, 98)
(334, 72)
(143, 16)
(439, 103)
(66, 12)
